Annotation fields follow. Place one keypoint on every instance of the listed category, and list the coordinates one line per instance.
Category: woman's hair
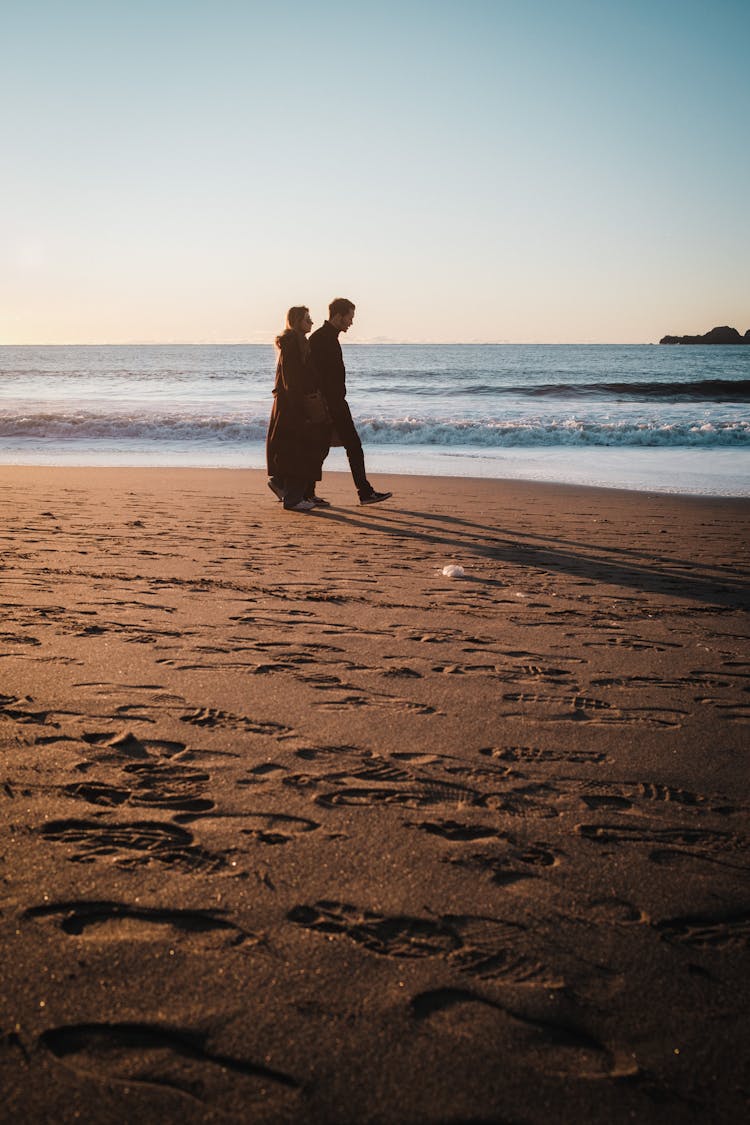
(294, 319)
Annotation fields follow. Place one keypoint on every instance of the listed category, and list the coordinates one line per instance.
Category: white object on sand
(453, 571)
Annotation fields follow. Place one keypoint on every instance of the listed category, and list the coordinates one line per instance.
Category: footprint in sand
(674, 846)
(143, 1054)
(563, 1046)
(132, 843)
(412, 795)
(708, 931)
(485, 947)
(265, 827)
(211, 717)
(107, 920)
(533, 754)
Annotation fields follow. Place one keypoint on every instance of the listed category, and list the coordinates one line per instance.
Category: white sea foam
(500, 433)
(243, 426)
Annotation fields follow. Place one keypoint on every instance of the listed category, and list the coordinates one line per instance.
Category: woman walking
(298, 429)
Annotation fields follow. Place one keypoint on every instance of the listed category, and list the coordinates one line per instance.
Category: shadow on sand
(614, 564)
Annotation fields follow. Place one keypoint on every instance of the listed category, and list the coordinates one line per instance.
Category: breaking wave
(703, 390)
(190, 429)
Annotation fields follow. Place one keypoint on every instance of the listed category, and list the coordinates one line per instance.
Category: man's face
(345, 320)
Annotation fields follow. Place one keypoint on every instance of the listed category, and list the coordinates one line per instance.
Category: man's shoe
(375, 497)
(319, 501)
(300, 506)
(276, 488)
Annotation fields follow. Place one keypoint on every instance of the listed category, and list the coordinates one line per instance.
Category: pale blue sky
(553, 170)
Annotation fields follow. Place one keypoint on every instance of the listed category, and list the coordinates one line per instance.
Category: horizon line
(377, 341)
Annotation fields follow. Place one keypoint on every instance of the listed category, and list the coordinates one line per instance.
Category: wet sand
(297, 829)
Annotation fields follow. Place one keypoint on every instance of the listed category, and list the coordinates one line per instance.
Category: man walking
(325, 351)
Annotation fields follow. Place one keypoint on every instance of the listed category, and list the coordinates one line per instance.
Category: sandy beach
(297, 829)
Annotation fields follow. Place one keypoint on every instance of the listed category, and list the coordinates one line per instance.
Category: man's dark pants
(349, 438)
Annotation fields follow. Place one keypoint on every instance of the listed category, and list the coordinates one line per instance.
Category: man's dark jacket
(325, 350)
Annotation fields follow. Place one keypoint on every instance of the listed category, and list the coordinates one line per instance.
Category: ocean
(669, 419)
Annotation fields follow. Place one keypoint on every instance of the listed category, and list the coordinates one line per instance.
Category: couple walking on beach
(310, 412)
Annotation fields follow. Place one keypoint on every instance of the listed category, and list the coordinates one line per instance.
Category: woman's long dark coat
(295, 446)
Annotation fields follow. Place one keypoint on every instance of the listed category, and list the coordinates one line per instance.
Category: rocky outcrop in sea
(723, 335)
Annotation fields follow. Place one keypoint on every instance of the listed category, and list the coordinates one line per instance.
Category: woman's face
(305, 324)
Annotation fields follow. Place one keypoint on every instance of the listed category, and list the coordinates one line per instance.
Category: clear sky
(495, 170)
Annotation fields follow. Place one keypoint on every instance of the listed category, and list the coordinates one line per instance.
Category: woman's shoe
(300, 506)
